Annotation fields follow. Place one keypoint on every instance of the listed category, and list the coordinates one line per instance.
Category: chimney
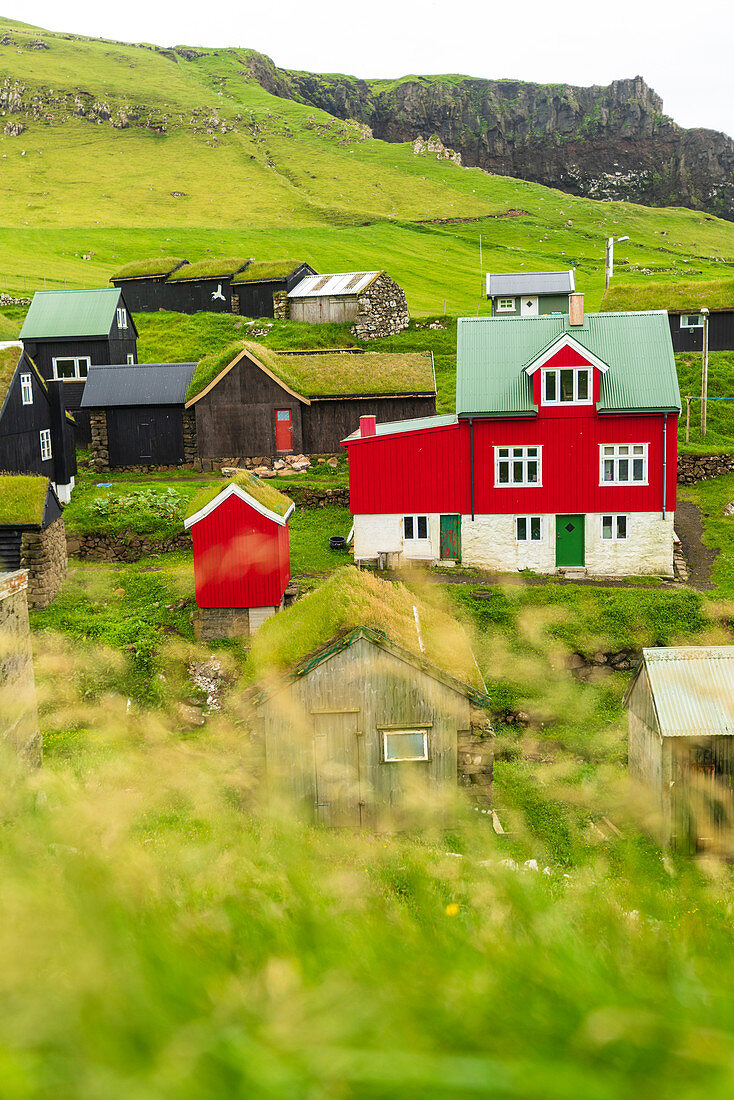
(367, 426)
(576, 309)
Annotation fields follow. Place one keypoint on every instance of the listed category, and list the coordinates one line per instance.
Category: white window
(505, 304)
(614, 527)
(623, 464)
(45, 438)
(691, 320)
(517, 466)
(415, 527)
(71, 369)
(121, 318)
(527, 528)
(26, 389)
(131, 360)
(567, 386)
(404, 745)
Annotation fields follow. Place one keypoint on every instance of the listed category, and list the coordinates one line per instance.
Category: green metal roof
(493, 352)
(68, 313)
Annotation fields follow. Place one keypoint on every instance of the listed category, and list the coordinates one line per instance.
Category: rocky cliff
(610, 142)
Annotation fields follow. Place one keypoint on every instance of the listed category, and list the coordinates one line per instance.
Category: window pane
(522, 531)
(566, 385)
(504, 472)
(623, 450)
(422, 527)
(609, 450)
(408, 527)
(504, 452)
(64, 368)
(410, 745)
(583, 385)
(621, 527)
(606, 527)
(623, 469)
(638, 450)
(532, 452)
(517, 472)
(550, 385)
(535, 528)
(517, 452)
(83, 368)
(609, 469)
(532, 471)
(638, 472)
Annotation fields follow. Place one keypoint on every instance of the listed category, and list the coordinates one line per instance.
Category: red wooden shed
(241, 555)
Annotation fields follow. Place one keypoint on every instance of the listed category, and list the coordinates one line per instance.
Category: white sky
(685, 51)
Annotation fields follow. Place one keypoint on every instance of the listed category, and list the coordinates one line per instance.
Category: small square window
(404, 745)
(613, 527)
(528, 528)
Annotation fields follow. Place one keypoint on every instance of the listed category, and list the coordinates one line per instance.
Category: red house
(241, 555)
(561, 455)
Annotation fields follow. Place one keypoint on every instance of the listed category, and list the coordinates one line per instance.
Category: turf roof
(222, 267)
(263, 270)
(352, 598)
(22, 498)
(9, 357)
(139, 269)
(677, 295)
(261, 491)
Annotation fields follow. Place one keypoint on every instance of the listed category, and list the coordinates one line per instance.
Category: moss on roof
(262, 270)
(351, 598)
(8, 362)
(261, 491)
(159, 265)
(209, 269)
(22, 498)
(677, 294)
(210, 366)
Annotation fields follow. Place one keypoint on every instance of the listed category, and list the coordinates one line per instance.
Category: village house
(680, 706)
(67, 331)
(561, 457)
(32, 535)
(204, 286)
(144, 282)
(19, 726)
(684, 303)
(262, 289)
(370, 301)
(241, 555)
(36, 432)
(530, 293)
(370, 706)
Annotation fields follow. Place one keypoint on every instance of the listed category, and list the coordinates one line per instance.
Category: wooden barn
(68, 331)
(680, 706)
(683, 303)
(530, 293)
(253, 402)
(138, 417)
(261, 290)
(204, 286)
(369, 300)
(242, 560)
(144, 282)
(36, 432)
(32, 535)
(371, 707)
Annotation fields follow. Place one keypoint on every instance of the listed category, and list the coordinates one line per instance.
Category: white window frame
(524, 458)
(615, 536)
(686, 322)
(26, 389)
(415, 537)
(528, 536)
(121, 317)
(409, 730)
(576, 400)
(620, 452)
(130, 359)
(77, 360)
(505, 305)
(44, 438)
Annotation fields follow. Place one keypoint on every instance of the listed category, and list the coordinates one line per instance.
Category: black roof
(139, 384)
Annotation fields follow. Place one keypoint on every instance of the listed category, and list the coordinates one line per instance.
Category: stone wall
(19, 726)
(100, 446)
(475, 759)
(702, 467)
(191, 447)
(211, 623)
(117, 548)
(383, 310)
(281, 305)
(43, 554)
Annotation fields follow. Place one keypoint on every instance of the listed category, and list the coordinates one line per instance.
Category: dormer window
(567, 386)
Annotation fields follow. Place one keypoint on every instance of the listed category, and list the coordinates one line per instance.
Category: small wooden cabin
(242, 560)
(370, 300)
(680, 705)
(32, 535)
(204, 286)
(371, 706)
(265, 284)
(36, 432)
(68, 331)
(144, 282)
(19, 726)
(251, 401)
(138, 416)
(530, 293)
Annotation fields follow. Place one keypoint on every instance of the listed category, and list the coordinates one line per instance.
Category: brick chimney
(576, 309)
(367, 426)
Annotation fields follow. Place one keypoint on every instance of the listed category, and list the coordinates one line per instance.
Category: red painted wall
(241, 559)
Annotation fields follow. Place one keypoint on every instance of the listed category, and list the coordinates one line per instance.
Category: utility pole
(608, 261)
(704, 369)
(481, 269)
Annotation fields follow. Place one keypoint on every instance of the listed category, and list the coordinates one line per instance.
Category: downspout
(471, 463)
(665, 459)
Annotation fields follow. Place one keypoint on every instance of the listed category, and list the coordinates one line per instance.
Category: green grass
(22, 498)
(262, 491)
(682, 294)
(130, 507)
(159, 265)
(310, 530)
(261, 270)
(711, 497)
(208, 269)
(719, 436)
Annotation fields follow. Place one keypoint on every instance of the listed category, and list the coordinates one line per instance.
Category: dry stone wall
(702, 467)
(475, 760)
(19, 726)
(43, 554)
(100, 443)
(383, 310)
(117, 548)
(191, 447)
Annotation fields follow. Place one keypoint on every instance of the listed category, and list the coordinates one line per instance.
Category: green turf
(159, 265)
(261, 491)
(22, 498)
(681, 294)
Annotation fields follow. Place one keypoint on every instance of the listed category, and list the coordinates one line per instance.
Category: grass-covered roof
(217, 268)
(158, 265)
(353, 598)
(263, 270)
(9, 357)
(210, 366)
(22, 498)
(676, 295)
(261, 491)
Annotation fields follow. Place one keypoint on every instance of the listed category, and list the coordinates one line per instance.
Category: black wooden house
(144, 282)
(36, 432)
(205, 286)
(68, 331)
(254, 288)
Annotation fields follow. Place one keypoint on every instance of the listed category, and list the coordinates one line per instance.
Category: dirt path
(699, 558)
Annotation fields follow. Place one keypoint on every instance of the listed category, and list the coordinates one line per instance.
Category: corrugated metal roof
(693, 689)
(347, 283)
(417, 424)
(67, 313)
(516, 283)
(492, 352)
(142, 384)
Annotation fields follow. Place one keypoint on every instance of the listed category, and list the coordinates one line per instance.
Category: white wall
(374, 535)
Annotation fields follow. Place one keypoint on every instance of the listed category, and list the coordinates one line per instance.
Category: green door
(451, 538)
(570, 550)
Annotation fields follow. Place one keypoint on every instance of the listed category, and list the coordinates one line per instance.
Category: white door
(528, 307)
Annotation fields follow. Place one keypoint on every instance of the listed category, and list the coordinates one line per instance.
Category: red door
(283, 430)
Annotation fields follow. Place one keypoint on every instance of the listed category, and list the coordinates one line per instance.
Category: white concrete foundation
(375, 535)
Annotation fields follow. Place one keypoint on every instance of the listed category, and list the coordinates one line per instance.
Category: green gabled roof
(142, 269)
(265, 494)
(265, 270)
(67, 313)
(493, 352)
(22, 498)
(678, 295)
(220, 268)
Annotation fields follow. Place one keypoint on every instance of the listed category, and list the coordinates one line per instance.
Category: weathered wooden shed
(204, 286)
(370, 706)
(19, 727)
(370, 300)
(242, 562)
(32, 535)
(144, 282)
(252, 402)
(680, 706)
(137, 415)
(261, 290)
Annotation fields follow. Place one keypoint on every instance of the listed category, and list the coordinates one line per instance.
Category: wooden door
(570, 544)
(145, 440)
(528, 307)
(450, 546)
(338, 769)
(283, 430)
